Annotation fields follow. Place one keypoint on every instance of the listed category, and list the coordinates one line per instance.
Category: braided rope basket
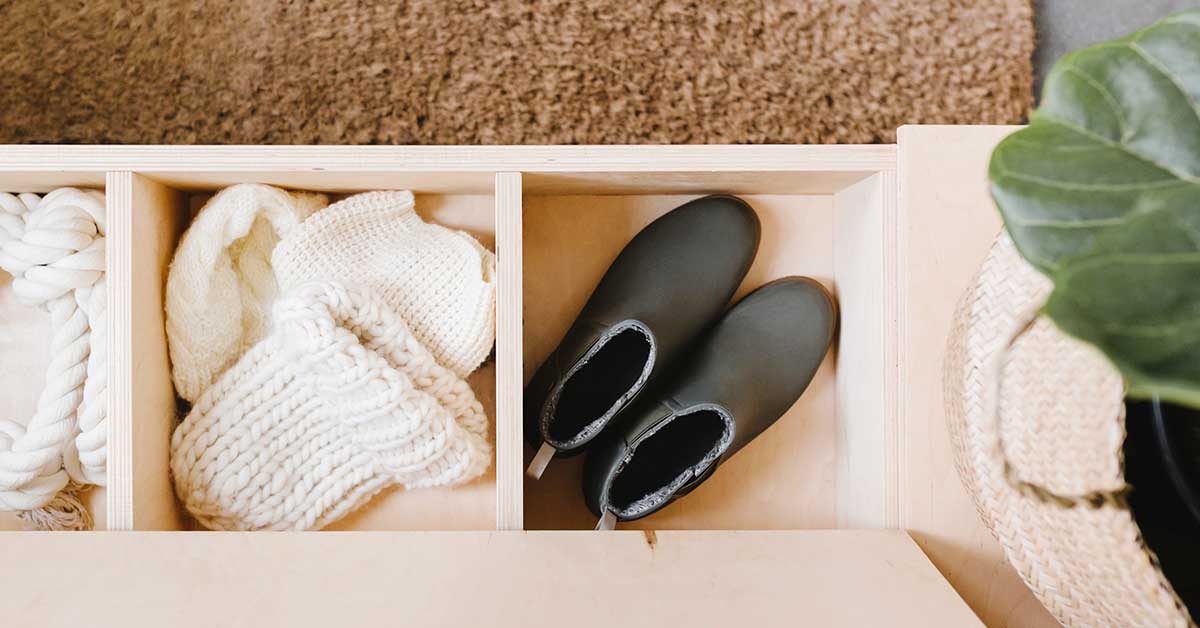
(1037, 421)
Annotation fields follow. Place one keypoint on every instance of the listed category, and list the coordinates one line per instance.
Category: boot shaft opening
(668, 458)
(599, 386)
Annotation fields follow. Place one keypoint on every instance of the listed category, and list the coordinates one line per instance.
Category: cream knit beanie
(336, 403)
(221, 286)
(440, 281)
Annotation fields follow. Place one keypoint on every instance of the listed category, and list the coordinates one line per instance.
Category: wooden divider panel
(160, 215)
(510, 509)
(865, 271)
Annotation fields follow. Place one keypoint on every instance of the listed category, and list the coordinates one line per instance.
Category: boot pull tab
(541, 460)
(608, 521)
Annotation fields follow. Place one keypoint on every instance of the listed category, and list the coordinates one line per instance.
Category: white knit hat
(220, 287)
(441, 281)
(336, 403)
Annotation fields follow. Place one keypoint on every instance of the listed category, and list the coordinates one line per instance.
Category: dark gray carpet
(1066, 25)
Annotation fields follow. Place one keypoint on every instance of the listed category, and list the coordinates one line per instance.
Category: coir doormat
(507, 71)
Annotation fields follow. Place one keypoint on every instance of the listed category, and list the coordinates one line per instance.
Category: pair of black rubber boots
(657, 380)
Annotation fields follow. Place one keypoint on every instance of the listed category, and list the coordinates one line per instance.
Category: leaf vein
(1170, 76)
(1092, 187)
(1122, 147)
(1086, 223)
(1113, 105)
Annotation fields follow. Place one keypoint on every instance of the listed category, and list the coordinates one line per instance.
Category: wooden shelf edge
(662, 158)
(826, 578)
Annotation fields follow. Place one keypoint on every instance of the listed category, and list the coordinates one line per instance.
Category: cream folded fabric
(221, 286)
(337, 402)
(440, 281)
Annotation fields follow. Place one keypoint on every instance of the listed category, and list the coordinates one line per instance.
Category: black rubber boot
(668, 284)
(740, 377)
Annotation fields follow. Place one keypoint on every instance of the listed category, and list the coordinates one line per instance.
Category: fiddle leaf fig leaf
(1101, 192)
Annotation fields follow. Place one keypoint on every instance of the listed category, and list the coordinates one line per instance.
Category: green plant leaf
(1101, 192)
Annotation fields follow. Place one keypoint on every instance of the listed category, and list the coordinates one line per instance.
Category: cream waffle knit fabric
(336, 403)
(441, 281)
(221, 286)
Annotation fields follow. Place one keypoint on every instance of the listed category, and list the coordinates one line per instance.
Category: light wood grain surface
(864, 262)
(947, 224)
(831, 579)
(510, 504)
(122, 430)
(448, 159)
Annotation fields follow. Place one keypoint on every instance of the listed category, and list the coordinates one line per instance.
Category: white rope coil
(53, 246)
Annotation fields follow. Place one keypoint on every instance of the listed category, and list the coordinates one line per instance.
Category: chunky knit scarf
(336, 403)
(353, 381)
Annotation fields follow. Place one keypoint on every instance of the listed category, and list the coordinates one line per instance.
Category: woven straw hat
(1037, 421)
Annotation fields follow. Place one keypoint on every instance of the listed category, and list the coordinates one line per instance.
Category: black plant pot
(1176, 432)
(1162, 466)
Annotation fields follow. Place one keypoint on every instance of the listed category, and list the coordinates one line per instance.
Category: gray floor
(1066, 25)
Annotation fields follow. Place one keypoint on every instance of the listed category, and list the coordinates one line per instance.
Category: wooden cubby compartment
(826, 462)
(25, 335)
(163, 206)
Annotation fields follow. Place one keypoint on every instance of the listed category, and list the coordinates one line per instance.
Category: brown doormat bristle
(507, 71)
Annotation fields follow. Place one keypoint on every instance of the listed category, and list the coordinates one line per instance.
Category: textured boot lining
(668, 457)
(599, 385)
